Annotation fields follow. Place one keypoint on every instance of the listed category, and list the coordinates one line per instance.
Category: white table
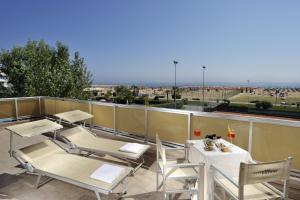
(228, 162)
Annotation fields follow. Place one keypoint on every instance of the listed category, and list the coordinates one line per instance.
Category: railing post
(250, 137)
(11, 149)
(16, 109)
(55, 110)
(189, 126)
(115, 120)
(146, 124)
(40, 107)
(91, 112)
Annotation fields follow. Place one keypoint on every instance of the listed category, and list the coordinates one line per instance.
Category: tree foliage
(265, 105)
(37, 69)
(123, 95)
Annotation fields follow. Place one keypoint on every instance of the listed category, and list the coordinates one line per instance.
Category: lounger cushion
(50, 158)
(85, 140)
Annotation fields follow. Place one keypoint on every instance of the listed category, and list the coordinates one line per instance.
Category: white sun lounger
(31, 129)
(48, 159)
(84, 140)
(73, 116)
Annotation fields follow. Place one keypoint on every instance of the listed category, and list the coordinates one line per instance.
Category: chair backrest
(264, 172)
(161, 152)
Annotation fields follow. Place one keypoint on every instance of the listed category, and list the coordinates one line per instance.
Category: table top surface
(199, 145)
(74, 116)
(34, 128)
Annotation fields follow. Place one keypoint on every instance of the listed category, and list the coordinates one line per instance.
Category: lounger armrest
(185, 165)
(176, 148)
(225, 176)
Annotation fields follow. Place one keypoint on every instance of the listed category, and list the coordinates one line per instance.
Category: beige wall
(62, 106)
(170, 127)
(53, 106)
(103, 116)
(28, 107)
(131, 120)
(276, 142)
(219, 127)
(7, 109)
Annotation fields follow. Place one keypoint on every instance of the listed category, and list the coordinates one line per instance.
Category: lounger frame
(40, 173)
(139, 161)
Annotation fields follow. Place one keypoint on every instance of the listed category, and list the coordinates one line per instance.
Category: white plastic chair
(253, 181)
(172, 170)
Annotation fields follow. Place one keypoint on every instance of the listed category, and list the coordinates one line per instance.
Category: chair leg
(98, 195)
(165, 195)
(198, 182)
(157, 181)
(169, 196)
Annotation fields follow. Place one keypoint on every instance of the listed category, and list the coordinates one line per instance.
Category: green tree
(81, 78)
(135, 90)
(14, 67)
(265, 105)
(123, 95)
(108, 95)
(40, 70)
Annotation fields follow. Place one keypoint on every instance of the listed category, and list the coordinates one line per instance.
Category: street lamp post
(203, 67)
(248, 81)
(175, 63)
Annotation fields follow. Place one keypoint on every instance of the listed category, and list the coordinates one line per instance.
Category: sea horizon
(212, 84)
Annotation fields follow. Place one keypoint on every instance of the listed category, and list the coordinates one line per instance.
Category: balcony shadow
(8, 179)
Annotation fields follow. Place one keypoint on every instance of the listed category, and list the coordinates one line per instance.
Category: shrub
(140, 100)
(265, 105)
(226, 101)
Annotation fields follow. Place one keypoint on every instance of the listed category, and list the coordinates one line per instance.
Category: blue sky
(137, 40)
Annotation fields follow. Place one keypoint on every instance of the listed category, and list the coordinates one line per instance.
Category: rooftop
(262, 135)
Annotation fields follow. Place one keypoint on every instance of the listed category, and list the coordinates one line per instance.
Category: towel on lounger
(132, 147)
(107, 173)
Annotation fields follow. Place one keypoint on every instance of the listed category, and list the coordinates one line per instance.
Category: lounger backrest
(40, 150)
(264, 172)
(161, 153)
(77, 134)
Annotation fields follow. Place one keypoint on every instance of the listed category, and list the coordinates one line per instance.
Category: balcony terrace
(265, 138)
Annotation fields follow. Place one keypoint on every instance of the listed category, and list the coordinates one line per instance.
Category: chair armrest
(273, 188)
(185, 165)
(225, 176)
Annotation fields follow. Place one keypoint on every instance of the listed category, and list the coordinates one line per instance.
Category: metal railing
(265, 138)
